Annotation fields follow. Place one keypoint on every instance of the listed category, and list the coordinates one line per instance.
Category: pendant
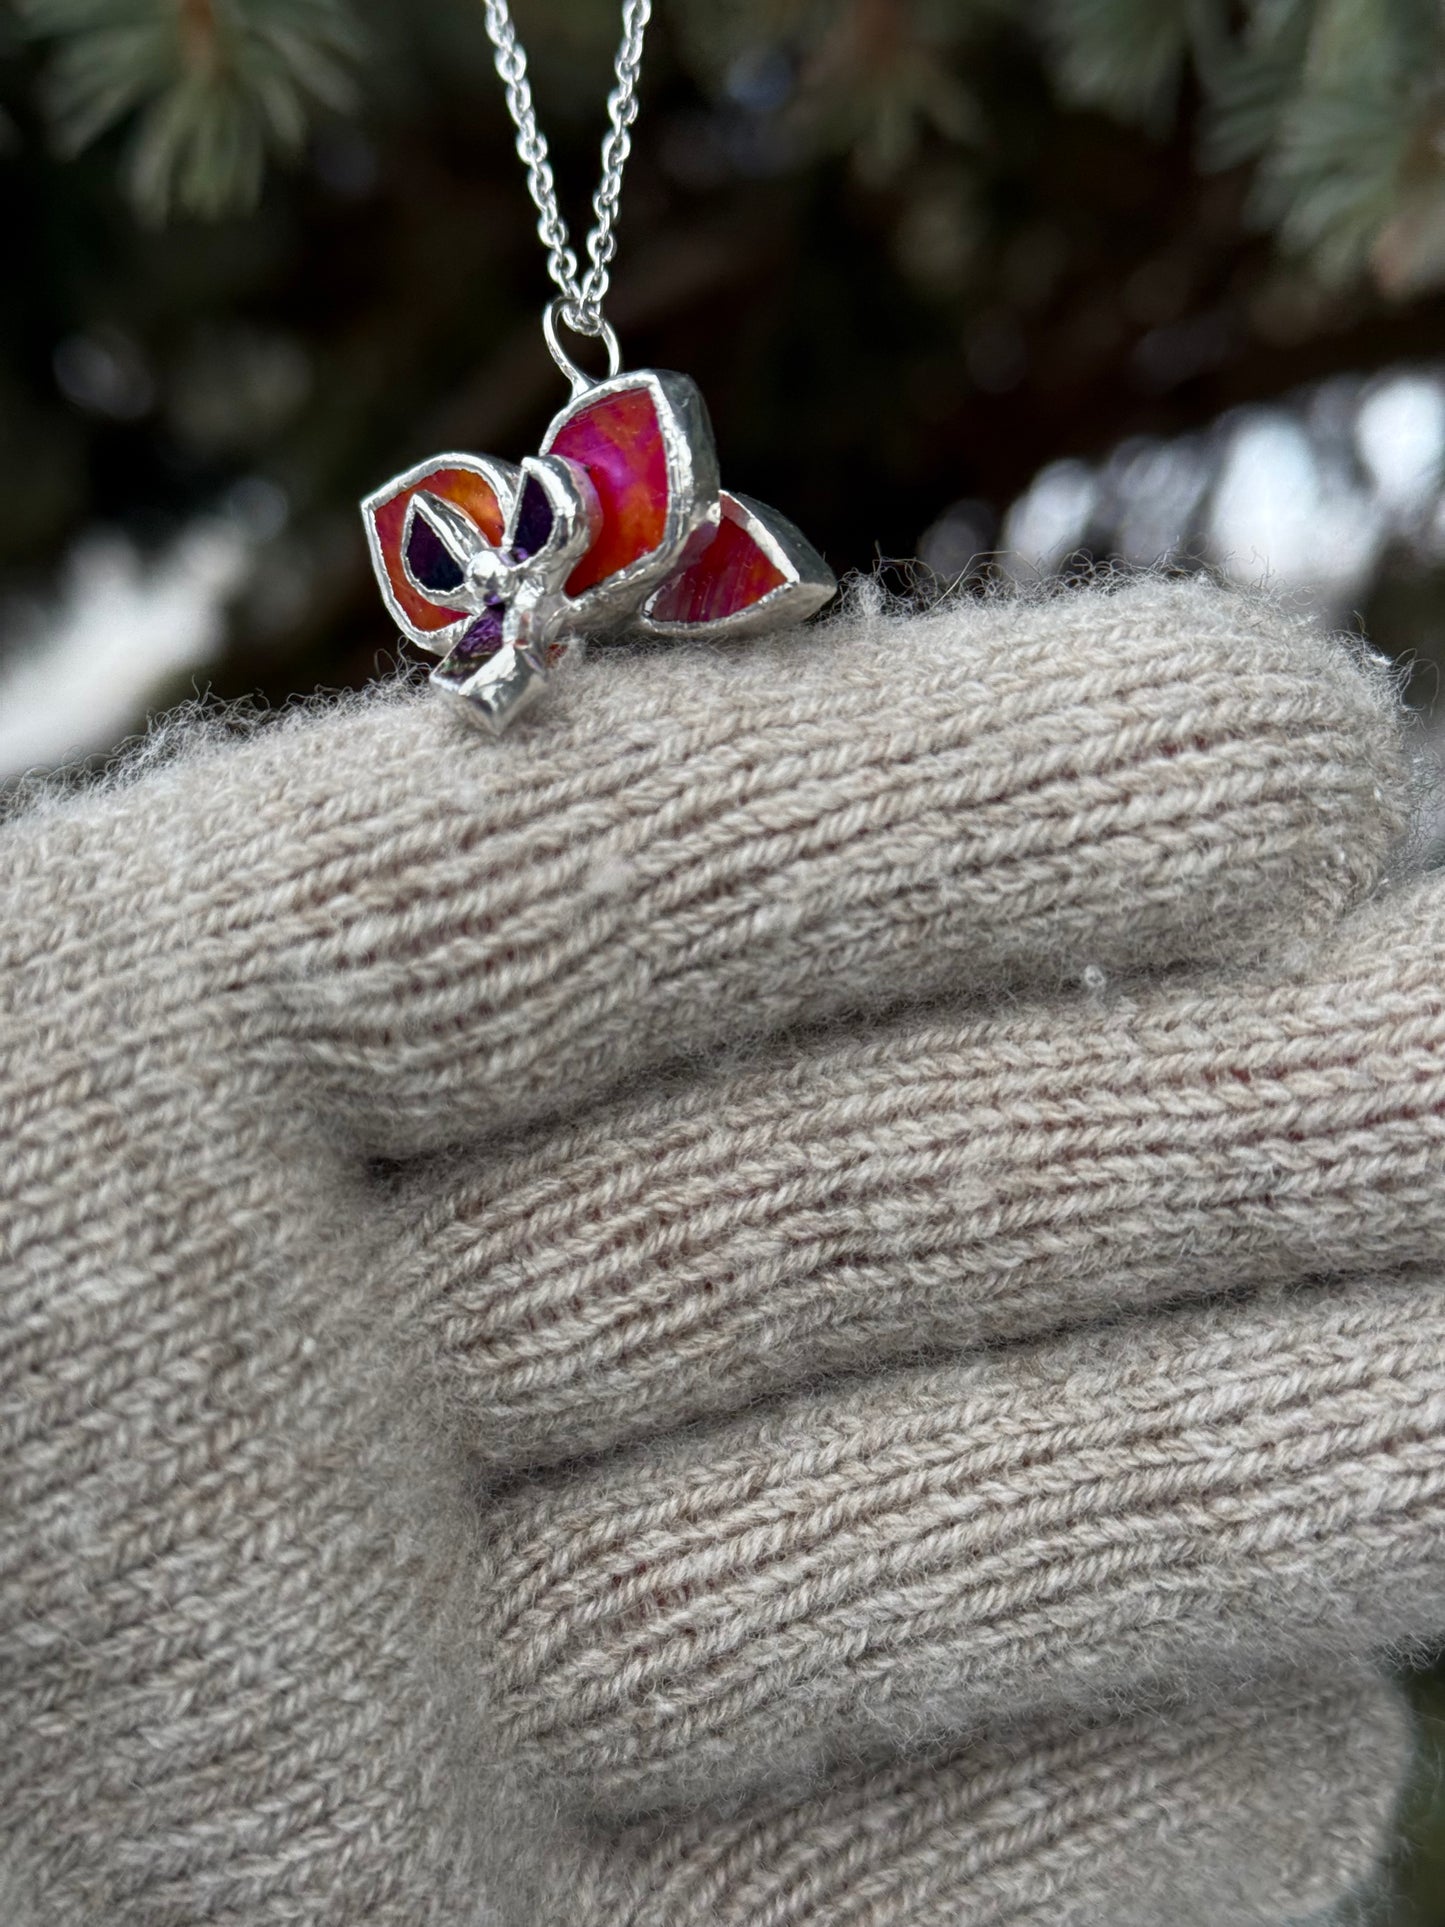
(618, 525)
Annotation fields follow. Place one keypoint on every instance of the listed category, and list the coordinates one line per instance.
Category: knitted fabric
(1137, 1822)
(391, 1117)
(1067, 1525)
(941, 1184)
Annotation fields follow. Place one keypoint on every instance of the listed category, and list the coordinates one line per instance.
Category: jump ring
(557, 311)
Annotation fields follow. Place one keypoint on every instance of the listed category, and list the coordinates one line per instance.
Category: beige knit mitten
(805, 1295)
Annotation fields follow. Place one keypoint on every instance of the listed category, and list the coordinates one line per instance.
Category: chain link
(581, 298)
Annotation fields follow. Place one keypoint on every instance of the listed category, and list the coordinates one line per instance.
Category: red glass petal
(618, 440)
(472, 493)
(733, 572)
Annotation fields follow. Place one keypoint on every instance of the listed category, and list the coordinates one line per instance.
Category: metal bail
(555, 312)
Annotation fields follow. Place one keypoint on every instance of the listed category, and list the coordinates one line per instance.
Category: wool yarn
(1136, 1822)
(944, 1184)
(1066, 1525)
(688, 1317)
(427, 946)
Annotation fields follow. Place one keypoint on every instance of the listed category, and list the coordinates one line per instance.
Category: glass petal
(468, 490)
(618, 440)
(733, 573)
(430, 561)
(481, 638)
(534, 520)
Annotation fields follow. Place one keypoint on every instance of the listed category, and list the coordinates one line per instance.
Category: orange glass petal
(470, 492)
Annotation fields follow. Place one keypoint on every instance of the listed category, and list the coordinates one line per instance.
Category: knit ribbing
(453, 945)
(947, 1184)
(1128, 1824)
(215, 1556)
(270, 1655)
(1068, 1523)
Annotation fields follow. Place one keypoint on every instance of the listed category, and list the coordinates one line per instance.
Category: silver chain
(581, 306)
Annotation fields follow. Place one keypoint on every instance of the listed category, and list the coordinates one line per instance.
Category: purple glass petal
(432, 564)
(534, 520)
(481, 638)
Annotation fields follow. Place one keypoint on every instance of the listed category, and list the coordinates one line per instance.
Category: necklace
(619, 523)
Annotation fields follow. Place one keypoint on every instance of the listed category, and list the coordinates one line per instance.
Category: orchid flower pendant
(619, 524)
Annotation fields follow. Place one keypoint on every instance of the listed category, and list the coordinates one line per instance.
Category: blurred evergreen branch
(914, 251)
(1337, 105)
(872, 78)
(211, 87)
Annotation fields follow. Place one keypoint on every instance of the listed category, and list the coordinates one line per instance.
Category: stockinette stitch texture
(950, 1183)
(495, 1245)
(1223, 1812)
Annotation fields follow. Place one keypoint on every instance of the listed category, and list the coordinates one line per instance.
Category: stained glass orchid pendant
(618, 524)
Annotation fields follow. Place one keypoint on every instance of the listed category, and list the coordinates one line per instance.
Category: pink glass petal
(472, 493)
(618, 440)
(733, 573)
